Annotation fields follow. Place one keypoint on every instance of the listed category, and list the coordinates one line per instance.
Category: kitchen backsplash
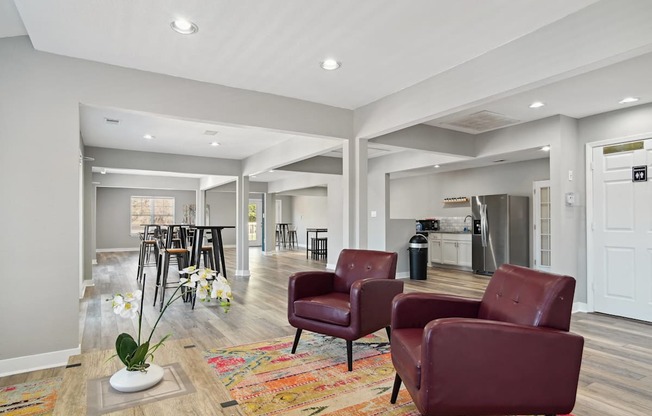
(454, 224)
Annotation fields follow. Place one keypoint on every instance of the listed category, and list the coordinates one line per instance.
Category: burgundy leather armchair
(509, 353)
(351, 302)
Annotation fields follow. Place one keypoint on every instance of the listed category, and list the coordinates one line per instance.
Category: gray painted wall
(113, 210)
(309, 212)
(286, 207)
(422, 196)
(222, 212)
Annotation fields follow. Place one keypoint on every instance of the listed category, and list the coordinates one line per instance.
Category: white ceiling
(174, 136)
(275, 46)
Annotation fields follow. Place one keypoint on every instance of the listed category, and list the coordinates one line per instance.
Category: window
(150, 210)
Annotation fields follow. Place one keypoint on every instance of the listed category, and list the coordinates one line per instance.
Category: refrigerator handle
(483, 222)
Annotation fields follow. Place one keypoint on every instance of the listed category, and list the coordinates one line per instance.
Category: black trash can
(418, 257)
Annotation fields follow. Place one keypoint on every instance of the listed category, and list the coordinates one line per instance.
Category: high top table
(216, 240)
(316, 231)
(283, 229)
(180, 229)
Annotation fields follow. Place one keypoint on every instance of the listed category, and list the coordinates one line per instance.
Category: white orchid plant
(205, 283)
(209, 284)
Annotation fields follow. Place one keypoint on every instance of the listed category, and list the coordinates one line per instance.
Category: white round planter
(131, 381)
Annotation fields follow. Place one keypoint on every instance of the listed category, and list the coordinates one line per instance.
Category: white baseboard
(85, 284)
(111, 250)
(330, 267)
(35, 362)
(580, 307)
(242, 273)
(402, 275)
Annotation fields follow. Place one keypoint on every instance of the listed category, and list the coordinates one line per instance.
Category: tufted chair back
(528, 297)
(354, 265)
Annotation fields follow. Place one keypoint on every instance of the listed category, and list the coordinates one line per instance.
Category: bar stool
(319, 247)
(147, 245)
(162, 271)
(292, 236)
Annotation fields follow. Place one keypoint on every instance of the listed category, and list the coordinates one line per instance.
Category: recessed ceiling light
(546, 148)
(537, 104)
(271, 171)
(436, 166)
(330, 64)
(148, 137)
(628, 100)
(214, 144)
(210, 132)
(184, 27)
(103, 171)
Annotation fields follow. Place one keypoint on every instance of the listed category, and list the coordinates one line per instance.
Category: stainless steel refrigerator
(500, 232)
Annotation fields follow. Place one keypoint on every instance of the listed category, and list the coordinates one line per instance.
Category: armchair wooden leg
(397, 386)
(296, 340)
(389, 333)
(349, 354)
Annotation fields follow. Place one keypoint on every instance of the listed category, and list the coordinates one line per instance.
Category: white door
(542, 225)
(622, 231)
(255, 223)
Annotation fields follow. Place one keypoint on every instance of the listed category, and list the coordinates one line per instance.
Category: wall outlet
(373, 214)
(570, 199)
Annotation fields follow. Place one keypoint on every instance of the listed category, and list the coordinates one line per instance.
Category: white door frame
(258, 242)
(536, 220)
(590, 248)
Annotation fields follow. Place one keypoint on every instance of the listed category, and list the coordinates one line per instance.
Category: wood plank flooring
(616, 378)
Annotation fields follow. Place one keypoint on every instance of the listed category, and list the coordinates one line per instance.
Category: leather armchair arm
(309, 283)
(464, 358)
(415, 310)
(371, 303)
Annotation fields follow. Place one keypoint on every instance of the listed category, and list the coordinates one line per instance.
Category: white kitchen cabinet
(464, 253)
(434, 247)
(455, 249)
(449, 252)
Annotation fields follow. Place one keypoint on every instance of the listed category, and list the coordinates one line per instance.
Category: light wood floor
(616, 378)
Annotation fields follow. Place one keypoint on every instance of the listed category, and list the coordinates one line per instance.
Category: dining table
(283, 229)
(316, 231)
(216, 242)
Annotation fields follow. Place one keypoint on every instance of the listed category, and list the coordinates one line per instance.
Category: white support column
(200, 207)
(348, 194)
(361, 218)
(270, 223)
(354, 172)
(241, 226)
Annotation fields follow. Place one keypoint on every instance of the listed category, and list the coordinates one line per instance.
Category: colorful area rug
(33, 398)
(266, 379)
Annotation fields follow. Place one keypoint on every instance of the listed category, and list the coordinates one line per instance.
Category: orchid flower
(127, 306)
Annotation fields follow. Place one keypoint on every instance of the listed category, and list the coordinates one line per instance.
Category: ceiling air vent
(111, 120)
(481, 121)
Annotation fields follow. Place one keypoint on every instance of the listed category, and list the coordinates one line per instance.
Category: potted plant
(135, 353)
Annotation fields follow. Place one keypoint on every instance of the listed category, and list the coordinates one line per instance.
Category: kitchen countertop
(446, 232)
